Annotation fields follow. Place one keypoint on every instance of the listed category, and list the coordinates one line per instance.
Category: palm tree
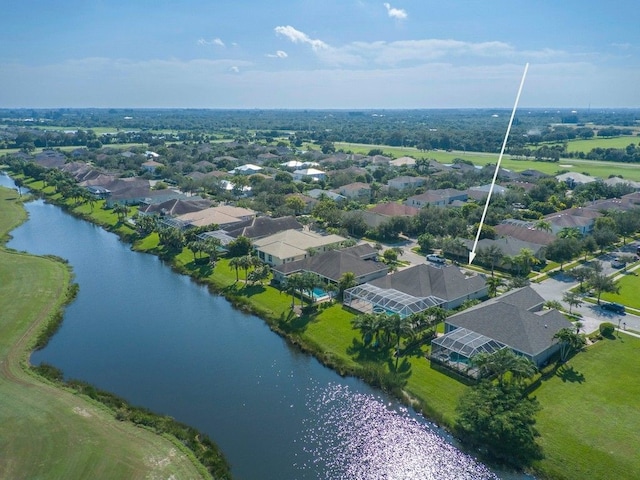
(524, 261)
(543, 225)
(347, 280)
(493, 283)
(401, 327)
(236, 263)
(572, 299)
(501, 362)
(569, 341)
(19, 184)
(292, 285)
(569, 232)
(368, 326)
(492, 255)
(121, 211)
(602, 283)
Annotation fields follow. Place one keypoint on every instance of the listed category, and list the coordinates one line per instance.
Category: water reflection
(356, 436)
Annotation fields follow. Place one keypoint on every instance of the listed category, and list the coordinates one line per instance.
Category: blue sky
(318, 53)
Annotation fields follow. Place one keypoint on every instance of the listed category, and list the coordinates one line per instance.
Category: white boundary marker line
(472, 253)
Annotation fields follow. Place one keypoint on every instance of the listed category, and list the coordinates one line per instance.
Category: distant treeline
(460, 129)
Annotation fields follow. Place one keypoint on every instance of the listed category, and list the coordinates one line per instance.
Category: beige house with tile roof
(293, 245)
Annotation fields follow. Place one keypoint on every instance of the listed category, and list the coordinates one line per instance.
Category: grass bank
(69, 435)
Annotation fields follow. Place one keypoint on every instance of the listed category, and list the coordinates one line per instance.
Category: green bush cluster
(607, 329)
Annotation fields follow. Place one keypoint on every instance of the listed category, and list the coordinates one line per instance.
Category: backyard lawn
(590, 418)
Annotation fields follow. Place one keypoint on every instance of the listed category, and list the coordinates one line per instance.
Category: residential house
(415, 289)
(331, 265)
(355, 191)
(437, 198)
(573, 179)
(509, 246)
(50, 159)
(293, 245)
(582, 219)
(515, 320)
(246, 169)
(403, 162)
(317, 193)
(260, 227)
(525, 231)
(224, 216)
(151, 166)
(405, 182)
(312, 173)
(482, 192)
(613, 181)
(383, 212)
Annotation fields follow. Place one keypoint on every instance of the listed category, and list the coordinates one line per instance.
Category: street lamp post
(619, 320)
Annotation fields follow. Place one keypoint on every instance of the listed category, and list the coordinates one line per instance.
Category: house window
(261, 255)
(270, 258)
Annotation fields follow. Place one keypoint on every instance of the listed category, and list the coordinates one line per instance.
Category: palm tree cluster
(383, 330)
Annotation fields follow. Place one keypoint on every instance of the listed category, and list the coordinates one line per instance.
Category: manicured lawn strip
(590, 427)
(48, 432)
(629, 288)
(600, 142)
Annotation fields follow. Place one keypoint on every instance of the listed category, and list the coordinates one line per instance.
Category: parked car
(617, 263)
(436, 259)
(614, 307)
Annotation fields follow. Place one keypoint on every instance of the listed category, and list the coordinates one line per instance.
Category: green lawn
(599, 142)
(590, 418)
(629, 288)
(48, 432)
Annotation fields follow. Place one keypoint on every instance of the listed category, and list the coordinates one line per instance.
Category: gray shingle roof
(423, 280)
(334, 263)
(514, 319)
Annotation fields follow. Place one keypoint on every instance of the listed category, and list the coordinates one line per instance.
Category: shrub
(607, 329)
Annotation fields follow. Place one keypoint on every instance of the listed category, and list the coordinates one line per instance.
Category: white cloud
(215, 41)
(234, 69)
(397, 13)
(296, 36)
(278, 54)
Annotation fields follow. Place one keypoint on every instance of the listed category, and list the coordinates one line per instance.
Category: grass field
(48, 432)
(588, 145)
(629, 288)
(590, 418)
(591, 167)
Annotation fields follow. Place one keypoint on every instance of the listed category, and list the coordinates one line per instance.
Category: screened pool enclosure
(368, 298)
(458, 347)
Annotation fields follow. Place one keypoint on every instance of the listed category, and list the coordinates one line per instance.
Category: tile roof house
(403, 161)
(357, 190)
(515, 320)
(524, 231)
(222, 215)
(400, 183)
(574, 178)
(382, 212)
(331, 265)
(293, 245)
(582, 219)
(246, 169)
(259, 227)
(312, 173)
(175, 207)
(438, 198)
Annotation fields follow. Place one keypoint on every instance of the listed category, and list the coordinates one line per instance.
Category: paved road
(592, 315)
